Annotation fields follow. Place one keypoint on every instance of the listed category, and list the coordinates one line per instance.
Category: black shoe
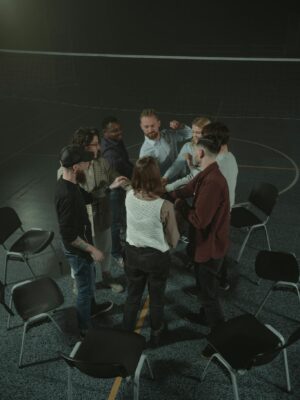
(208, 351)
(157, 337)
(224, 285)
(97, 309)
(197, 318)
(192, 291)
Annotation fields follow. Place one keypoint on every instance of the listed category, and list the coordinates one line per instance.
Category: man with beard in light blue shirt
(161, 144)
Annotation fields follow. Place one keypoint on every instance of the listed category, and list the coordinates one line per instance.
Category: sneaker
(74, 287)
(208, 352)
(97, 309)
(197, 318)
(108, 281)
(224, 285)
(120, 261)
(116, 287)
(192, 291)
(184, 239)
(157, 337)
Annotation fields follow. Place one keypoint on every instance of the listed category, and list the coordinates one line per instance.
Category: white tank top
(144, 226)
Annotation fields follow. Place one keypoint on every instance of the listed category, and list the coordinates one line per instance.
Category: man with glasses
(114, 151)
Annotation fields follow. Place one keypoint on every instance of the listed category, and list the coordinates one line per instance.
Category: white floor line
(295, 166)
(152, 56)
(138, 110)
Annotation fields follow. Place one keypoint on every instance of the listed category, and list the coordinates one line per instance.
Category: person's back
(229, 168)
(151, 231)
(144, 227)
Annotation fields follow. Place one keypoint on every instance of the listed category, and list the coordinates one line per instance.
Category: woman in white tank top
(151, 232)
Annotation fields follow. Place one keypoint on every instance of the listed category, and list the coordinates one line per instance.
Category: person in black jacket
(75, 231)
(115, 152)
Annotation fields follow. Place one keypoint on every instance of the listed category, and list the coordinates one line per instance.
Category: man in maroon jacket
(209, 219)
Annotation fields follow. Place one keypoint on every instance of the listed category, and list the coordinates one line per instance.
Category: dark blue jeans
(117, 201)
(145, 265)
(207, 280)
(84, 272)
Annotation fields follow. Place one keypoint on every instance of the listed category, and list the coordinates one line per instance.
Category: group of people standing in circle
(101, 196)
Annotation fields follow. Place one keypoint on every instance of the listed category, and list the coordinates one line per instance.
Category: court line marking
(117, 382)
(284, 155)
(138, 110)
(40, 138)
(266, 167)
(150, 56)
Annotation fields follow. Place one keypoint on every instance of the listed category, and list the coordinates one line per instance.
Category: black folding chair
(278, 267)
(34, 301)
(255, 213)
(32, 242)
(109, 353)
(243, 342)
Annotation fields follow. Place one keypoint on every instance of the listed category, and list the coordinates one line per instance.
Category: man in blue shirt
(161, 144)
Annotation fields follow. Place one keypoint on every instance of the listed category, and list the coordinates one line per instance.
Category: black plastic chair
(243, 342)
(278, 267)
(255, 213)
(32, 242)
(34, 301)
(109, 353)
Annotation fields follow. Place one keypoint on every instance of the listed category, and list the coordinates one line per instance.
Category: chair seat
(111, 346)
(242, 217)
(277, 266)
(241, 339)
(32, 242)
(37, 297)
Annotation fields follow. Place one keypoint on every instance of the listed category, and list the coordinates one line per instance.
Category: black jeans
(207, 280)
(145, 265)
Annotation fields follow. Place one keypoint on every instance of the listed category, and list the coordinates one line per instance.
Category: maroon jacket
(209, 214)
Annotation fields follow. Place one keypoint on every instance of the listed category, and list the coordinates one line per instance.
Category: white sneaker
(184, 239)
(120, 261)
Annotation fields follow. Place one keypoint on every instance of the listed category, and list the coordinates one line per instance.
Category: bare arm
(81, 244)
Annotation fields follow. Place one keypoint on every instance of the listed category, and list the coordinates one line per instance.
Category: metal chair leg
(136, 379)
(267, 236)
(70, 388)
(264, 300)
(149, 367)
(206, 369)
(54, 323)
(243, 245)
(287, 373)
(22, 344)
(5, 269)
(8, 318)
(58, 259)
(234, 386)
(297, 290)
(28, 265)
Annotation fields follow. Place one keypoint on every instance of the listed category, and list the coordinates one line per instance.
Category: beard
(80, 177)
(153, 135)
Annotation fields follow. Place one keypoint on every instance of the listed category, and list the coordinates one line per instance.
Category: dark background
(44, 98)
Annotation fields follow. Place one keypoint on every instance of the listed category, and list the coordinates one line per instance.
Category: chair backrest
(264, 196)
(268, 356)
(10, 222)
(277, 266)
(37, 296)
